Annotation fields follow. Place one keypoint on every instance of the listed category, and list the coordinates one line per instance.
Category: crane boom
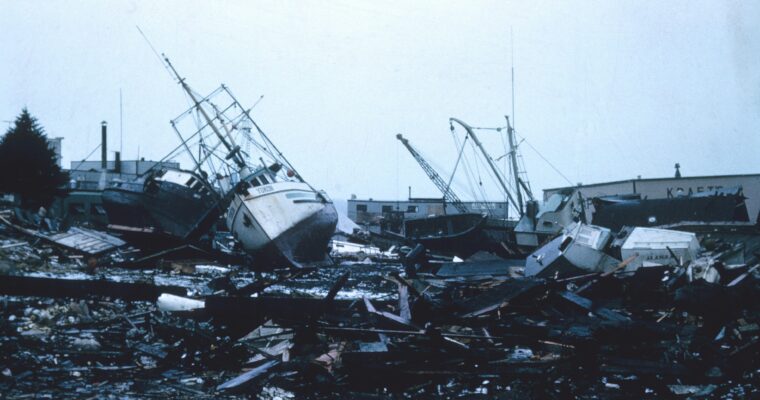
(448, 194)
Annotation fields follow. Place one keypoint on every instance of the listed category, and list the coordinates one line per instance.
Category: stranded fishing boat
(165, 203)
(459, 235)
(281, 218)
(274, 213)
(464, 233)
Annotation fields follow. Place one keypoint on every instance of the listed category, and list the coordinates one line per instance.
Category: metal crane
(448, 194)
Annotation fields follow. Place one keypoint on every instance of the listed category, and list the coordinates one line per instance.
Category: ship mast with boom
(490, 162)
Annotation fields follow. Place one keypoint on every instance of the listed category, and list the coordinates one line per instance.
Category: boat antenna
(158, 56)
(512, 50)
(121, 124)
(256, 103)
(519, 183)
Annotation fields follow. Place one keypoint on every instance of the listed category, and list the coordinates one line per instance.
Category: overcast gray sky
(604, 90)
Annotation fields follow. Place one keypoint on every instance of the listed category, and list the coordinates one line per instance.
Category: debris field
(193, 323)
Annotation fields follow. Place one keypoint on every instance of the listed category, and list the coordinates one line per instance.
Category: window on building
(387, 208)
(361, 208)
(412, 209)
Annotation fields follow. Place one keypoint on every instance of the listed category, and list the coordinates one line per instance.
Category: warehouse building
(369, 211)
(660, 188)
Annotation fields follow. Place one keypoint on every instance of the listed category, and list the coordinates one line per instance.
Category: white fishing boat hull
(283, 222)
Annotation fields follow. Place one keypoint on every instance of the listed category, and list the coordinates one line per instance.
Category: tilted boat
(273, 212)
(281, 219)
(166, 203)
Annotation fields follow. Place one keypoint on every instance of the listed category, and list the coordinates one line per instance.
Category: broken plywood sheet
(86, 241)
(81, 240)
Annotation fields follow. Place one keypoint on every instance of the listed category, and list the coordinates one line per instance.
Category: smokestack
(103, 146)
(117, 162)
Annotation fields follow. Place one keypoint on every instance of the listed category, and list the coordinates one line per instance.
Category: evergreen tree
(28, 166)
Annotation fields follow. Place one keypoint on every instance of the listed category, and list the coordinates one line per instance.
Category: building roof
(655, 180)
(421, 200)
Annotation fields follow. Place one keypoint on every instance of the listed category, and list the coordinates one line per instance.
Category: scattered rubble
(594, 313)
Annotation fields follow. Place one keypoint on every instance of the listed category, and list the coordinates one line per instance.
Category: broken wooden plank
(743, 276)
(588, 305)
(249, 312)
(240, 380)
(339, 283)
(496, 297)
(259, 285)
(403, 302)
(185, 251)
(82, 288)
(390, 316)
(607, 274)
(478, 268)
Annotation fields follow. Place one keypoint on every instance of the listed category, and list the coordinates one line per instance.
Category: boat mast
(279, 154)
(519, 183)
(513, 157)
(511, 133)
(490, 162)
(234, 151)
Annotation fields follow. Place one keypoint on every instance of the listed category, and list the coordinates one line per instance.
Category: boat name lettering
(264, 189)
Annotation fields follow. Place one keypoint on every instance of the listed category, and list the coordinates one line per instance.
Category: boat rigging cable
(467, 169)
(456, 165)
(489, 161)
(548, 162)
(88, 156)
(478, 193)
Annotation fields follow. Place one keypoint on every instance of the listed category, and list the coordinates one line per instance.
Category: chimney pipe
(103, 146)
(117, 162)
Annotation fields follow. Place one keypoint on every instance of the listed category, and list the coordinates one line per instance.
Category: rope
(459, 158)
(88, 156)
(547, 161)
